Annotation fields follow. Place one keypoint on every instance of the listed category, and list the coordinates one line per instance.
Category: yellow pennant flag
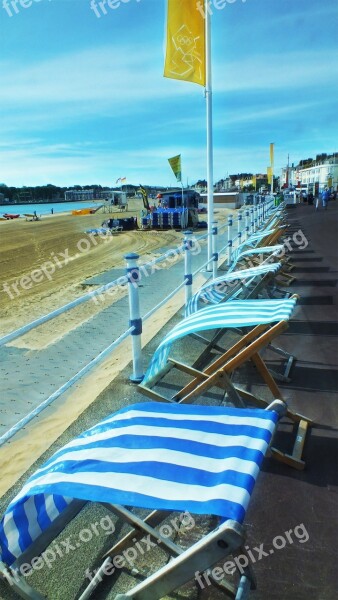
(272, 152)
(185, 52)
(175, 163)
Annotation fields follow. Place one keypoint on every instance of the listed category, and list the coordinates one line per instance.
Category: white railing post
(252, 220)
(255, 217)
(247, 223)
(214, 250)
(239, 228)
(133, 275)
(230, 239)
(187, 242)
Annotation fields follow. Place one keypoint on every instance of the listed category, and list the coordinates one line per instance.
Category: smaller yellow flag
(175, 163)
(272, 153)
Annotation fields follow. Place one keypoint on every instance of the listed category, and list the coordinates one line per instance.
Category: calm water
(45, 209)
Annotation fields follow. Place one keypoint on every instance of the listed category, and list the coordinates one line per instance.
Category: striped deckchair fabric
(200, 459)
(217, 291)
(234, 313)
(240, 253)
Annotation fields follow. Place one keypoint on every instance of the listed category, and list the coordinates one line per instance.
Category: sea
(45, 209)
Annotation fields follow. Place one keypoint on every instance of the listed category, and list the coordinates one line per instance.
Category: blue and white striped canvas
(259, 235)
(219, 289)
(192, 458)
(234, 313)
(241, 253)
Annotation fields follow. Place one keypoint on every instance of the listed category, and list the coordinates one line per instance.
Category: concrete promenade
(28, 377)
(283, 498)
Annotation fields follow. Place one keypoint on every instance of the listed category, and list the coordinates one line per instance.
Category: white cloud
(286, 71)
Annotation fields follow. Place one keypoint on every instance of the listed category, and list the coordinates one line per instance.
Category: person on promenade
(310, 198)
(324, 196)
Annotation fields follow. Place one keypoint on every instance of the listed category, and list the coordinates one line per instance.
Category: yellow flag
(185, 52)
(175, 163)
(269, 172)
(272, 152)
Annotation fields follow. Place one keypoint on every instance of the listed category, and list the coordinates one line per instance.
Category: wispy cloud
(286, 71)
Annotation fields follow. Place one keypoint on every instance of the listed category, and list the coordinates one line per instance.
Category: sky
(83, 99)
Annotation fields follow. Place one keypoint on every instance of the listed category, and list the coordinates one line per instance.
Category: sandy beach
(43, 265)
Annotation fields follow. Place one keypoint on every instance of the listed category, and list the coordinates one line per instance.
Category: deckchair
(197, 460)
(268, 318)
(244, 254)
(244, 282)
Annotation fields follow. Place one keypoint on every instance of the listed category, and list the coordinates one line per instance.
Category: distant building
(313, 174)
(79, 195)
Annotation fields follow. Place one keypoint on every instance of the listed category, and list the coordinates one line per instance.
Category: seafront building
(81, 195)
(313, 175)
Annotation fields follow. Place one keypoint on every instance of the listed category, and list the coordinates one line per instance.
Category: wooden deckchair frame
(250, 293)
(218, 374)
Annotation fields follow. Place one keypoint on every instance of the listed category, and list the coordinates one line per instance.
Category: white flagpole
(272, 166)
(210, 166)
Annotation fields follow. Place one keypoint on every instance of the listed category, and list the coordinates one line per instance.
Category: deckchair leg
(302, 423)
(190, 565)
(295, 459)
(256, 401)
(289, 364)
(266, 375)
(243, 588)
(289, 278)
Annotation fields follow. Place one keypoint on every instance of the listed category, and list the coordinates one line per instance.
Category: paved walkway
(28, 377)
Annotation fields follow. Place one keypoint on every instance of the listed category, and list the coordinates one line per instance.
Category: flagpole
(208, 96)
(272, 152)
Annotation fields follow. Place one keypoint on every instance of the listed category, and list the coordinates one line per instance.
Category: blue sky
(83, 99)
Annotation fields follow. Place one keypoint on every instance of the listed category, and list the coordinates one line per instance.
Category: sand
(32, 250)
